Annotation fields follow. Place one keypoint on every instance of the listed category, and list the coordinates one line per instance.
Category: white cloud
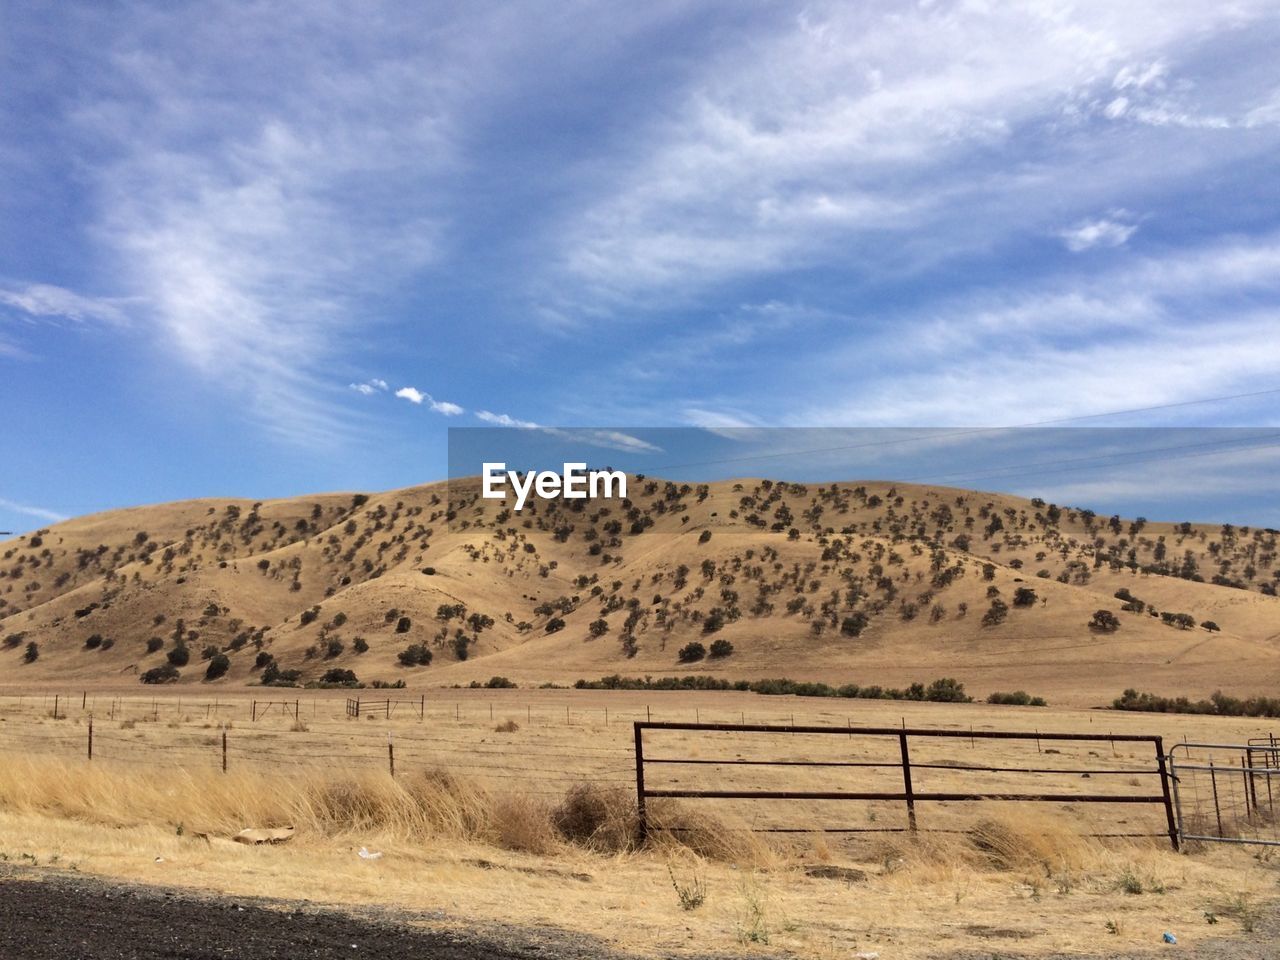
(50, 302)
(592, 437)
(1103, 232)
(503, 420)
(1116, 109)
(252, 216)
(1141, 75)
(38, 512)
(412, 394)
(1070, 347)
(369, 387)
(872, 136)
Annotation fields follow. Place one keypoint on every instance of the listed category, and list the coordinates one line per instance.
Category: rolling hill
(867, 583)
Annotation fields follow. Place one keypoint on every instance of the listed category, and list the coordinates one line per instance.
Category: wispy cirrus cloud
(27, 510)
(48, 302)
(883, 133)
(1197, 319)
(252, 217)
(588, 436)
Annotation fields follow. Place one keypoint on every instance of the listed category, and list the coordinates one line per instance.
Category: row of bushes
(945, 690)
(1217, 705)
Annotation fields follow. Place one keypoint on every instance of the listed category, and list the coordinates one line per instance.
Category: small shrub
(721, 648)
(854, 624)
(507, 726)
(691, 895)
(692, 652)
(599, 818)
(1019, 698)
(219, 664)
(996, 614)
(165, 673)
(415, 655)
(1104, 621)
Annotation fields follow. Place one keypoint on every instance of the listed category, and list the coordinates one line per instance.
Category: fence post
(1217, 810)
(391, 754)
(1177, 794)
(224, 749)
(642, 819)
(1164, 789)
(91, 738)
(1250, 784)
(906, 783)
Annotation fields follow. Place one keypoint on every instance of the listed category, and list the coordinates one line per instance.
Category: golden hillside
(871, 583)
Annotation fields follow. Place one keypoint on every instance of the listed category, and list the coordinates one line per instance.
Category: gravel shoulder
(54, 916)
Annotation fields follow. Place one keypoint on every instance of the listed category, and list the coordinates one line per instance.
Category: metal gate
(894, 750)
(1227, 792)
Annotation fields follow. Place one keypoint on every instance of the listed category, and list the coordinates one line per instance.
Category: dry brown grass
(417, 808)
(455, 844)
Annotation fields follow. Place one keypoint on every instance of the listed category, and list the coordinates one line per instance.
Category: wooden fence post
(906, 783)
(391, 754)
(91, 738)
(642, 819)
(224, 749)
(1217, 810)
(1164, 789)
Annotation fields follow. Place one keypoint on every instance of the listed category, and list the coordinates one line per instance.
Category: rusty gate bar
(908, 795)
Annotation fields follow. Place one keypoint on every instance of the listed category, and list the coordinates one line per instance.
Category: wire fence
(544, 745)
(1228, 793)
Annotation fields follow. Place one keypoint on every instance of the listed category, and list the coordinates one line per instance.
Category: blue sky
(258, 249)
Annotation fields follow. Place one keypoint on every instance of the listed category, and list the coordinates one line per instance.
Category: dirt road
(60, 918)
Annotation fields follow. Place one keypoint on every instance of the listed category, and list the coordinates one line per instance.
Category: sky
(257, 249)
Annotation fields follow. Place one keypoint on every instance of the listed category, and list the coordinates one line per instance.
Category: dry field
(476, 823)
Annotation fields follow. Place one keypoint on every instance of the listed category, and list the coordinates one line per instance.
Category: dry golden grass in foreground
(1017, 879)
